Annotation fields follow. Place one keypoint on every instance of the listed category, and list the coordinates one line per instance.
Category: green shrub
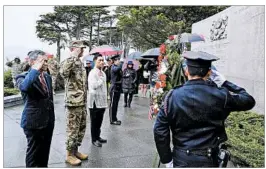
(10, 91)
(8, 79)
(245, 132)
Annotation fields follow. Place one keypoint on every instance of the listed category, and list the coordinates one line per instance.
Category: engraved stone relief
(218, 30)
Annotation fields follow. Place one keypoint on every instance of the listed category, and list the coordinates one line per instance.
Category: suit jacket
(38, 109)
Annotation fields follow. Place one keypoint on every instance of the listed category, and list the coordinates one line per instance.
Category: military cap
(199, 59)
(77, 44)
(88, 61)
(115, 57)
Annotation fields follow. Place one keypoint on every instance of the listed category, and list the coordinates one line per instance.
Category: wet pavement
(129, 145)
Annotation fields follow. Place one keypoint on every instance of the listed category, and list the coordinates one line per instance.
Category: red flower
(171, 37)
(163, 84)
(162, 49)
(160, 58)
(162, 77)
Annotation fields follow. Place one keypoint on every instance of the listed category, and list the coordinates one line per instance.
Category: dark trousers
(39, 142)
(96, 115)
(127, 99)
(114, 100)
(182, 159)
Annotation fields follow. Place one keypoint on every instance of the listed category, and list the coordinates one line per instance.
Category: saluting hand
(38, 63)
(76, 52)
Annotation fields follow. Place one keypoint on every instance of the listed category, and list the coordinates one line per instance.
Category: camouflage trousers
(76, 126)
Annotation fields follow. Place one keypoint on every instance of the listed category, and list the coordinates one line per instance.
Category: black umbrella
(191, 37)
(151, 53)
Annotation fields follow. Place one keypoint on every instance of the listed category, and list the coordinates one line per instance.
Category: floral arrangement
(169, 73)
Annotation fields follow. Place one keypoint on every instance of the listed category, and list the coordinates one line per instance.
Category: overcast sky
(19, 31)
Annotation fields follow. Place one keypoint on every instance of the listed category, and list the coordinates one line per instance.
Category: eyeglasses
(101, 60)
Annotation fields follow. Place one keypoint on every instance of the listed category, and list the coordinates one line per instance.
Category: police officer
(115, 89)
(196, 112)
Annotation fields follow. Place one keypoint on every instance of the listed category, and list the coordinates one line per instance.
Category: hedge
(245, 131)
(8, 79)
(10, 91)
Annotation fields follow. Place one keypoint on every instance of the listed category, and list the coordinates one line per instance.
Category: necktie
(42, 80)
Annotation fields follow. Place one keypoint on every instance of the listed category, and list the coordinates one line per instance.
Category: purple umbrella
(188, 37)
(135, 62)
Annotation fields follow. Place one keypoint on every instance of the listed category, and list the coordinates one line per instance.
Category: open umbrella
(135, 62)
(134, 55)
(106, 50)
(191, 37)
(89, 57)
(151, 53)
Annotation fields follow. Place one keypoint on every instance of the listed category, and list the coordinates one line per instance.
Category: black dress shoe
(97, 143)
(102, 140)
(125, 105)
(118, 122)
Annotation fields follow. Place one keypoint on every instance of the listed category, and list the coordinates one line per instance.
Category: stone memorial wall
(237, 36)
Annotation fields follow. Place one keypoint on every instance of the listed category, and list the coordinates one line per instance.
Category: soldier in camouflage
(16, 69)
(53, 67)
(74, 74)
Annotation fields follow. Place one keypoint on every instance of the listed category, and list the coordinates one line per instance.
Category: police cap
(115, 57)
(97, 54)
(199, 59)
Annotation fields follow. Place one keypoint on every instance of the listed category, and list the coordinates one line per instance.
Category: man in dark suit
(38, 116)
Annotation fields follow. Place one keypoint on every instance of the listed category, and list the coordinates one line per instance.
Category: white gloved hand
(169, 165)
(122, 59)
(217, 78)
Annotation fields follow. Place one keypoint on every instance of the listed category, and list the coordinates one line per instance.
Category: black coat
(195, 113)
(129, 80)
(116, 78)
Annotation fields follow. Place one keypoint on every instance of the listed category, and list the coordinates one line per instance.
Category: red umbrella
(49, 55)
(106, 50)
(135, 62)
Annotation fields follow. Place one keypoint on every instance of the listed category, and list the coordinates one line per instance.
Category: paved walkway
(129, 145)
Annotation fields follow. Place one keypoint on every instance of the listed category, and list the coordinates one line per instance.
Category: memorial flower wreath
(169, 73)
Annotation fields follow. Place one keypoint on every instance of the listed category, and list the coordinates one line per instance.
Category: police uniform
(115, 90)
(196, 112)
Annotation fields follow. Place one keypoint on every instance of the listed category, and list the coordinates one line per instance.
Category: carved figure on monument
(218, 30)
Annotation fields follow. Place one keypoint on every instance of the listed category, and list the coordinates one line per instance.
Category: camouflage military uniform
(15, 70)
(53, 67)
(74, 73)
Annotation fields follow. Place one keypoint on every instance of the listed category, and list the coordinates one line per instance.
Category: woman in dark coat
(128, 83)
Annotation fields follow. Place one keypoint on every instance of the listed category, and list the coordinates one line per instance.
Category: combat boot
(72, 159)
(80, 156)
